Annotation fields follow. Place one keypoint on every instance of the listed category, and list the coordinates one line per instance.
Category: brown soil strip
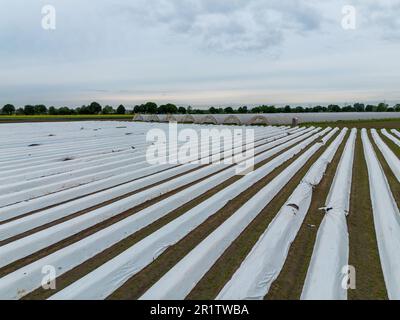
(363, 255)
(141, 282)
(289, 284)
(108, 254)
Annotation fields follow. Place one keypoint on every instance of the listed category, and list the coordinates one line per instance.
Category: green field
(42, 118)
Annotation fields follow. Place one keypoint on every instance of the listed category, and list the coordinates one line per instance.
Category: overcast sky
(199, 52)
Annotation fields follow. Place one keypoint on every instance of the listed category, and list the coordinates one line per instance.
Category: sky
(200, 52)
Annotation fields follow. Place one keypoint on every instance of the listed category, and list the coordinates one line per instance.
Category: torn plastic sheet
(324, 280)
(109, 277)
(263, 264)
(386, 218)
(177, 283)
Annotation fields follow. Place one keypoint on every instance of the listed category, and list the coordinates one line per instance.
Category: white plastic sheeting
(23, 281)
(397, 133)
(183, 277)
(388, 154)
(125, 176)
(263, 264)
(391, 137)
(108, 194)
(39, 240)
(325, 274)
(386, 218)
(109, 277)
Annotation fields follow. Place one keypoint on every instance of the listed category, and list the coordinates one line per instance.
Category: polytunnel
(138, 117)
(259, 119)
(188, 119)
(209, 119)
(232, 120)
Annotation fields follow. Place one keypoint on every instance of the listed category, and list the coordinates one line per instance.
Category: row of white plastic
(75, 254)
(110, 276)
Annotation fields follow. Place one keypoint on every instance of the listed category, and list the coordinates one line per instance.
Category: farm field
(81, 199)
(59, 118)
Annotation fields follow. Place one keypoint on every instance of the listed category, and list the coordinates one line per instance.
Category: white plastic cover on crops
(386, 218)
(67, 258)
(329, 261)
(109, 277)
(183, 277)
(265, 261)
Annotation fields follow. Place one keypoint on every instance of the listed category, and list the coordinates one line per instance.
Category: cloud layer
(199, 52)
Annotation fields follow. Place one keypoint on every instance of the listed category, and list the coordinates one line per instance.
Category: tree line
(40, 109)
(152, 108)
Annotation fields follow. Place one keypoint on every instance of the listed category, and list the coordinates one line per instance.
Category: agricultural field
(84, 215)
(58, 118)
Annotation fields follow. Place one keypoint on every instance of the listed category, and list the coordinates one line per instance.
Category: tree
(397, 108)
(29, 110)
(382, 107)
(40, 109)
(94, 108)
(229, 110)
(370, 108)
(243, 110)
(334, 108)
(182, 110)
(121, 109)
(65, 111)
(213, 110)
(317, 109)
(287, 109)
(8, 109)
(108, 110)
(53, 111)
(348, 108)
(359, 107)
(299, 109)
(150, 107)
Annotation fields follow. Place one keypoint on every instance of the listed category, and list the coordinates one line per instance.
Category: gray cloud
(384, 14)
(199, 52)
(226, 25)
